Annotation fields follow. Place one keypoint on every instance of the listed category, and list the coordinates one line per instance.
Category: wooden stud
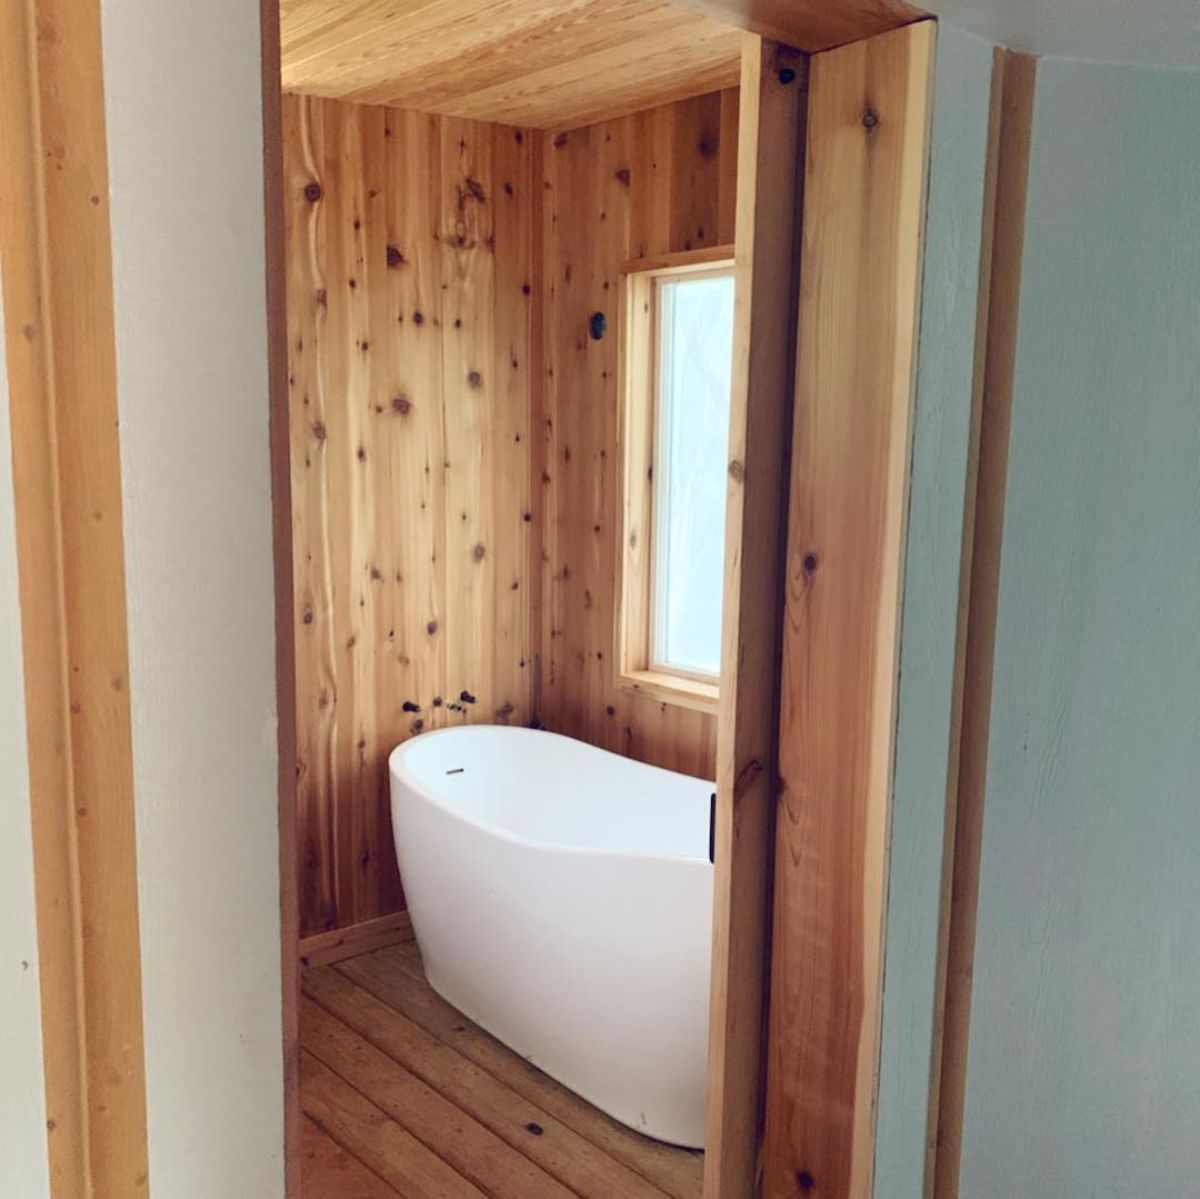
(770, 182)
(56, 254)
(865, 170)
(1013, 80)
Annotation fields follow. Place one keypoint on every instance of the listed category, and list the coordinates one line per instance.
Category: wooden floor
(403, 1096)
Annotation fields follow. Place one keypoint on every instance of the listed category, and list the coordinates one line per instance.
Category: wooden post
(770, 151)
(56, 252)
(868, 117)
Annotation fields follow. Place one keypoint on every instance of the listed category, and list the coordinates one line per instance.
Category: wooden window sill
(673, 689)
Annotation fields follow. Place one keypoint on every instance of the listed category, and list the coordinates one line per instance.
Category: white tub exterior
(562, 899)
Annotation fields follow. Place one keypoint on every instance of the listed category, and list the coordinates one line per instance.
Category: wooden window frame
(641, 280)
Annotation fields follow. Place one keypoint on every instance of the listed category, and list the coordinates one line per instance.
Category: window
(677, 364)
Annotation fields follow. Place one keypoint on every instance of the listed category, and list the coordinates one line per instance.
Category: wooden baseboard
(323, 949)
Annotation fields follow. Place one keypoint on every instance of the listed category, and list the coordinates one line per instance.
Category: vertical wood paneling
(859, 281)
(409, 302)
(651, 183)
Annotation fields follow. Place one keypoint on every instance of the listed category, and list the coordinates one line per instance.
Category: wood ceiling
(550, 64)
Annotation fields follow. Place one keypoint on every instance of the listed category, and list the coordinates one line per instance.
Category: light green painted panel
(1084, 1064)
(942, 419)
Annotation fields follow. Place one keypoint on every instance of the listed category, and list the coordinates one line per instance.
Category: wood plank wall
(420, 255)
(409, 319)
(656, 182)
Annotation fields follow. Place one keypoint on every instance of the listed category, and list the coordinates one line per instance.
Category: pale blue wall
(1084, 1064)
(942, 419)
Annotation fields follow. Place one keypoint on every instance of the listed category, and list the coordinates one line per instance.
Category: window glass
(695, 354)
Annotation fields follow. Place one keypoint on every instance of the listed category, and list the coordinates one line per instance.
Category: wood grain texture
(285, 633)
(375, 1139)
(56, 252)
(395, 977)
(542, 63)
(1014, 77)
(654, 183)
(322, 949)
(329, 1172)
(811, 25)
(866, 146)
(460, 1141)
(409, 326)
(527, 1129)
(770, 180)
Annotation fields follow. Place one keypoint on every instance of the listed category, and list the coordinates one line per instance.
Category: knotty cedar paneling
(409, 311)
(553, 64)
(649, 184)
(868, 111)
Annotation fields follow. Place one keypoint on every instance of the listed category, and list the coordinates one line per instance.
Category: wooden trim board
(683, 260)
(868, 129)
(770, 181)
(812, 25)
(1015, 75)
(640, 399)
(56, 252)
(285, 634)
(323, 949)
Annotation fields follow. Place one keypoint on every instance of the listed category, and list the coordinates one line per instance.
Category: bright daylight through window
(694, 356)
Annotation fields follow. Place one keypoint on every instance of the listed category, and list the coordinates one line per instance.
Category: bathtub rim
(399, 772)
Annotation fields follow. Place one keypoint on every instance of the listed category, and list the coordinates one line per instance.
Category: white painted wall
(23, 1161)
(185, 153)
(1083, 1074)
(1158, 32)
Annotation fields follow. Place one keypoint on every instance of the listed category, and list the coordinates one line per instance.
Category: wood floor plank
(456, 1137)
(330, 1172)
(394, 975)
(370, 1135)
(577, 1163)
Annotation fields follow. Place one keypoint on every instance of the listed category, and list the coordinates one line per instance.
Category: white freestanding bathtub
(561, 897)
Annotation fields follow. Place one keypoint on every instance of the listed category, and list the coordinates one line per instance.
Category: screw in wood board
(598, 325)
